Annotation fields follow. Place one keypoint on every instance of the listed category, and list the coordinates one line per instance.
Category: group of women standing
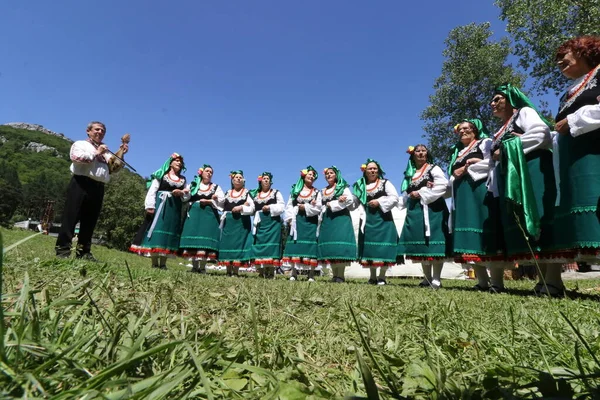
(520, 194)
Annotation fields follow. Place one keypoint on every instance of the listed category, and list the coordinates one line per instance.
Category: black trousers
(83, 205)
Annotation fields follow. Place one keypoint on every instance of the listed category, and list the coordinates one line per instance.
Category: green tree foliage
(474, 64)
(123, 209)
(10, 192)
(45, 185)
(539, 27)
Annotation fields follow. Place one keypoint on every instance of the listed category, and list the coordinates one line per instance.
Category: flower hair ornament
(363, 167)
(303, 172)
(410, 150)
(260, 178)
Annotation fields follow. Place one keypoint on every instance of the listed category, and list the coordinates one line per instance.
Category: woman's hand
(150, 211)
(301, 207)
(563, 127)
(415, 194)
(373, 203)
(472, 161)
(177, 192)
(206, 202)
(458, 172)
(343, 198)
(266, 208)
(237, 209)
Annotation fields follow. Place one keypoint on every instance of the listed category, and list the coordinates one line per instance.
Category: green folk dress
(337, 242)
(266, 248)
(236, 232)
(301, 245)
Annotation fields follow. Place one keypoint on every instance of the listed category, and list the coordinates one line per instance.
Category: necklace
(583, 84)
(374, 187)
(464, 151)
(421, 171)
(308, 195)
(264, 197)
(327, 193)
(207, 189)
(502, 129)
(239, 193)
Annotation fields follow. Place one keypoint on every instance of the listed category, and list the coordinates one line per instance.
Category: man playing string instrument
(91, 167)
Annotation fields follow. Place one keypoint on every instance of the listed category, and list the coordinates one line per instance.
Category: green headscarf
(483, 133)
(340, 183)
(195, 185)
(253, 192)
(411, 168)
(159, 173)
(236, 172)
(518, 99)
(297, 187)
(360, 186)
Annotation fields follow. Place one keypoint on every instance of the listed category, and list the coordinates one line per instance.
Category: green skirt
(413, 242)
(304, 248)
(164, 237)
(474, 224)
(200, 231)
(377, 245)
(541, 171)
(336, 237)
(577, 223)
(236, 240)
(267, 240)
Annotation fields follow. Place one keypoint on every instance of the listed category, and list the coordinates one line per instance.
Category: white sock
(437, 270)
(497, 277)
(481, 273)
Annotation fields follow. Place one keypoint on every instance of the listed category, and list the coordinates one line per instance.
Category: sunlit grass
(119, 329)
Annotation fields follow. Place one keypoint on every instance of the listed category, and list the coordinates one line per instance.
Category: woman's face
(466, 133)
(176, 165)
(573, 66)
(372, 172)
(330, 176)
(237, 181)
(265, 183)
(309, 178)
(420, 154)
(207, 174)
(501, 108)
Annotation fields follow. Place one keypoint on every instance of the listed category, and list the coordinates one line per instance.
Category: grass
(120, 329)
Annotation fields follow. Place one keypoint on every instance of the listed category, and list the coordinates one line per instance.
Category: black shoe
(63, 254)
(162, 267)
(86, 257)
(480, 288)
(372, 281)
(381, 281)
(496, 289)
(340, 280)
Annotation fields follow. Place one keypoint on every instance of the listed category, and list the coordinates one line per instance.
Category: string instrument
(116, 162)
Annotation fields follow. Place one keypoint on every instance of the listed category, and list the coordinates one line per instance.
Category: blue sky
(253, 85)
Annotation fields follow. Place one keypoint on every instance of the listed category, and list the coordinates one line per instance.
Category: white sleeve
(480, 170)
(186, 195)
(150, 201)
(220, 202)
(336, 205)
(440, 185)
(390, 200)
(81, 153)
(311, 210)
(584, 120)
(536, 133)
(289, 209)
(248, 206)
(277, 209)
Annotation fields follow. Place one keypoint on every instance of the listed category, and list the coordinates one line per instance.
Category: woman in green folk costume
(269, 205)
(474, 210)
(302, 214)
(425, 237)
(337, 242)
(200, 236)
(236, 227)
(158, 237)
(577, 153)
(522, 177)
(378, 236)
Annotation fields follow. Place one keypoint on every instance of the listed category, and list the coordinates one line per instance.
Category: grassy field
(119, 329)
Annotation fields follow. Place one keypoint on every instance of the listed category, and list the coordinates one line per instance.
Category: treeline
(475, 62)
(29, 179)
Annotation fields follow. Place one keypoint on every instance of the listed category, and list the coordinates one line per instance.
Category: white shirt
(86, 162)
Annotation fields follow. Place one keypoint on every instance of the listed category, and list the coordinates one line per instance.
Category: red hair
(586, 47)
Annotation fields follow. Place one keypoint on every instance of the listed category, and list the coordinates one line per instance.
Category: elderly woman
(158, 237)
(577, 150)
(200, 236)
(269, 205)
(425, 236)
(474, 209)
(302, 214)
(337, 242)
(236, 232)
(522, 177)
(378, 237)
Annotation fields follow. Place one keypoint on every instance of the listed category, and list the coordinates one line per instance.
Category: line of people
(526, 192)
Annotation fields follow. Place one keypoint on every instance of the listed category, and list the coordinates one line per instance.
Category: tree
(44, 186)
(123, 209)
(10, 192)
(473, 66)
(539, 27)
